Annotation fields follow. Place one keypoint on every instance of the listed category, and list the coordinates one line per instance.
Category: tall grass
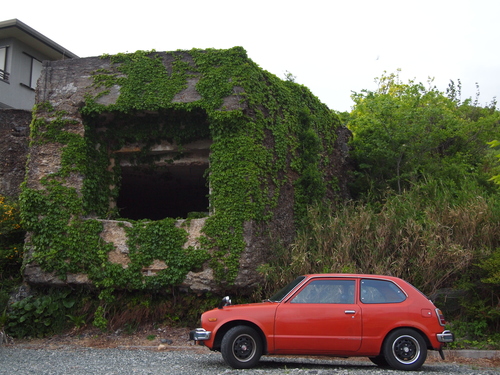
(429, 236)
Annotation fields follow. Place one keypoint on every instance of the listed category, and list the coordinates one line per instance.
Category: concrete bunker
(122, 146)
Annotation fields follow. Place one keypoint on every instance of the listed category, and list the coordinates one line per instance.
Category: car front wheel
(405, 349)
(241, 347)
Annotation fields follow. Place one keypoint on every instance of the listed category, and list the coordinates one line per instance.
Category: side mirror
(226, 301)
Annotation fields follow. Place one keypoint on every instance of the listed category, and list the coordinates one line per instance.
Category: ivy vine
(279, 130)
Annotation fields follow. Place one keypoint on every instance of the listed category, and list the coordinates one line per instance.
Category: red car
(380, 317)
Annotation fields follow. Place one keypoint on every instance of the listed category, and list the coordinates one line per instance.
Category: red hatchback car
(380, 317)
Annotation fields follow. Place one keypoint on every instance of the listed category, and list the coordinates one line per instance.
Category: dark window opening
(155, 193)
(161, 157)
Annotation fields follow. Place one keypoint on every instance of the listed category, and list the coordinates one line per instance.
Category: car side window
(380, 291)
(326, 291)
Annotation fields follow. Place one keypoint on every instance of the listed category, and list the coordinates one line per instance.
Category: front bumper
(446, 336)
(199, 334)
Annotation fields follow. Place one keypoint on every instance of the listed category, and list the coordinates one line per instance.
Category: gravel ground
(168, 351)
(178, 361)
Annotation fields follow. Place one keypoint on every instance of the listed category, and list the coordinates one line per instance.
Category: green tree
(495, 145)
(403, 132)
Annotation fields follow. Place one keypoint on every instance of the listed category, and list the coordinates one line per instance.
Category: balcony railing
(4, 75)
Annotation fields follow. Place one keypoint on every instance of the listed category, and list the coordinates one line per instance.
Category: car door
(384, 306)
(322, 317)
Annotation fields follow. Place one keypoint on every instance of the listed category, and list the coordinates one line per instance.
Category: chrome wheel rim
(244, 348)
(406, 349)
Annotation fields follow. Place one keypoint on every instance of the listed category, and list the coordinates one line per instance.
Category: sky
(332, 47)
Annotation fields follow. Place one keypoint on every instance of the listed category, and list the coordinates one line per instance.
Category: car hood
(246, 305)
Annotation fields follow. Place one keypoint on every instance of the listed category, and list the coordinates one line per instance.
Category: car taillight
(440, 317)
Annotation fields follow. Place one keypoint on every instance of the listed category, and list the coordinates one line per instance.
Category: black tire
(241, 347)
(405, 349)
(379, 361)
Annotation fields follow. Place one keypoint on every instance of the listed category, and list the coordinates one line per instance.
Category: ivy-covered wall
(274, 150)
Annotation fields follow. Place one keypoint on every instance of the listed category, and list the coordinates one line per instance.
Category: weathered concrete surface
(200, 282)
(114, 233)
(450, 354)
(14, 140)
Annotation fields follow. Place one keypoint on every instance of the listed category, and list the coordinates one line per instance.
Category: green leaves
(403, 132)
(39, 315)
(495, 145)
(159, 240)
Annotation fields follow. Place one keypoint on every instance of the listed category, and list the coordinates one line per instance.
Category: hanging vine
(279, 130)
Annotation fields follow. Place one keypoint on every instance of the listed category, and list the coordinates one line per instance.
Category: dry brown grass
(428, 245)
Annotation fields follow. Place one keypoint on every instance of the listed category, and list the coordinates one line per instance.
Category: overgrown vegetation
(280, 129)
(426, 236)
(405, 132)
(48, 311)
(11, 240)
(245, 176)
(11, 252)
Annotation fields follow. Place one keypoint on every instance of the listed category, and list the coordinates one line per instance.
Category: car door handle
(350, 311)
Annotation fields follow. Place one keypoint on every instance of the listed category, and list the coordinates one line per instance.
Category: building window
(3, 64)
(33, 69)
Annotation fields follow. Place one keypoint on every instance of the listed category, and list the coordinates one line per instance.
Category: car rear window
(380, 291)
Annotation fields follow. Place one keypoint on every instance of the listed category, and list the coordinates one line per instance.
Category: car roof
(354, 275)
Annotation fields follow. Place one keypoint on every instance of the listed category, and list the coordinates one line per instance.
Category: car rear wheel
(405, 349)
(241, 347)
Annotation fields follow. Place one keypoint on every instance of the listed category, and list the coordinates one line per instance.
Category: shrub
(38, 316)
(11, 239)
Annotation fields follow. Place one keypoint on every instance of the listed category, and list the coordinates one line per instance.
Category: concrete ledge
(466, 353)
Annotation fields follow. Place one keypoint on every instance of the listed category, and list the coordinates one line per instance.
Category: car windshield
(283, 292)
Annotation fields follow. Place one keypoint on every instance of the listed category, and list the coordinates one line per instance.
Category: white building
(22, 50)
